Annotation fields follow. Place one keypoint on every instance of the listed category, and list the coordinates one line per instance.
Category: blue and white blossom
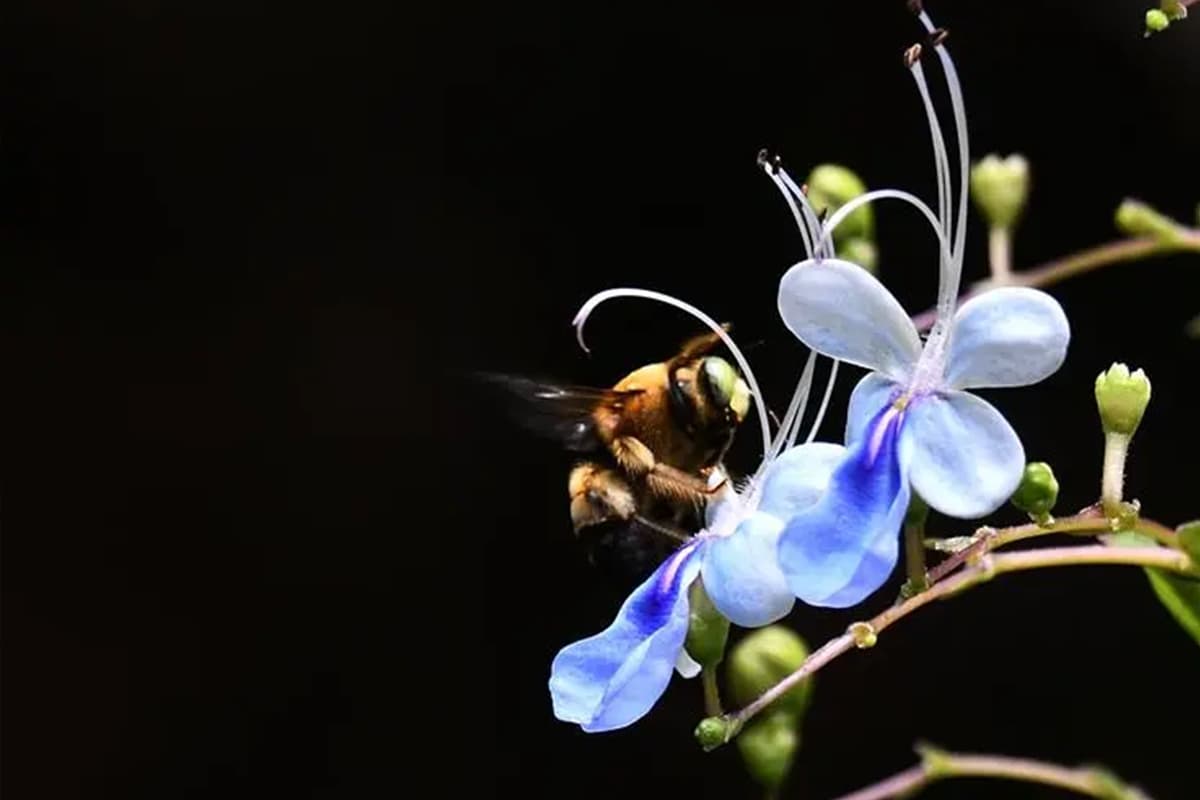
(612, 679)
(912, 425)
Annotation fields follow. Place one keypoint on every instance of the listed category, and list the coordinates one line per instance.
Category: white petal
(842, 311)
(1013, 336)
(872, 393)
(685, 665)
(964, 458)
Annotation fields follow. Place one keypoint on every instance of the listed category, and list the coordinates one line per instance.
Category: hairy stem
(984, 568)
(1078, 263)
(1091, 520)
(937, 765)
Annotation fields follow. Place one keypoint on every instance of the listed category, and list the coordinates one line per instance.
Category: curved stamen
(949, 292)
(883, 194)
(812, 433)
(801, 208)
(940, 159)
(786, 435)
(596, 299)
(810, 213)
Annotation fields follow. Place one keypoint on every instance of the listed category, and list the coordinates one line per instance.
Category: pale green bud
(707, 629)
(1136, 218)
(1000, 188)
(1122, 397)
(831, 186)
(762, 659)
(860, 251)
(1174, 9)
(1038, 491)
(768, 748)
(1156, 21)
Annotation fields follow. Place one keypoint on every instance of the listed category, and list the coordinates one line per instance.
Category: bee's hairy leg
(663, 479)
(598, 494)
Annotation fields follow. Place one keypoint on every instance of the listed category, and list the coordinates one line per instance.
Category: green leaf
(1180, 595)
(1189, 539)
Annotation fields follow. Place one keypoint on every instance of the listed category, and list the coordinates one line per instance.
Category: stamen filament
(941, 161)
(812, 433)
(810, 213)
(608, 294)
(883, 194)
(789, 428)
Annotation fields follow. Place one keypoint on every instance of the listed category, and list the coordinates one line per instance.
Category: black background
(260, 539)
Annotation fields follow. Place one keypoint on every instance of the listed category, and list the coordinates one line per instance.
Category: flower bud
(831, 186)
(1135, 218)
(707, 629)
(762, 659)
(1000, 188)
(860, 251)
(1174, 9)
(1122, 397)
(1038, 491)
(712, 732)
(768, 748)
(1156, 21)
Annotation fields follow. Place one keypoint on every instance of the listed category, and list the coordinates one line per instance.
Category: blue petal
(1014, 336)
(965, 459)
(614, 678)
(842, 311)
(742, 576)
(844, 547)
(872, 393)
(741, 571)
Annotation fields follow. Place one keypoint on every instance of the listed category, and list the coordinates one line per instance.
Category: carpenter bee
(650, 450)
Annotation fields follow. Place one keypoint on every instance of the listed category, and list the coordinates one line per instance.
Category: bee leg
(663, 479)
(599, 494)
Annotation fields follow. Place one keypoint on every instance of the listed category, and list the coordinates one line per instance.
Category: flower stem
(1078, 263)
(984, 568)
(1000, 254)
(914, 545)
(712, 693)
(1112, 483)
(937, 765)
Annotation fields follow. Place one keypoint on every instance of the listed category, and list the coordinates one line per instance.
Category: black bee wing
(562, 412)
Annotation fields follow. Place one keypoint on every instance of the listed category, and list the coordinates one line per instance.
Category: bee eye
(725, 387)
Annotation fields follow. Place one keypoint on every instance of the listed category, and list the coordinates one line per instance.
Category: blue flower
(612, 679)
(912, 426)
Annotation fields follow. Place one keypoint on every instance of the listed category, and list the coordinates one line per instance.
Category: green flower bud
(831, 186)
(860, 251)
(768, 748)
(1122, 398)
(1156, 21)
(762, 659)
(1038, 491)
(1135, 218)
(712, 732)
(1174, 9)
(1000, 188)
(707, 629)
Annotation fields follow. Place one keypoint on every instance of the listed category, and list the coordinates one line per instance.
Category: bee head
(724, 388)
